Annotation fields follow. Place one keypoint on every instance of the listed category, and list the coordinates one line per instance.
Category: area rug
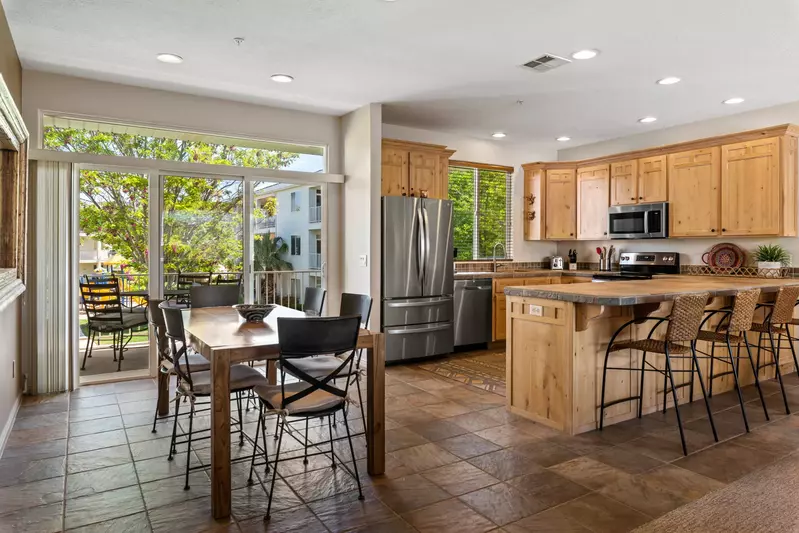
(484, 369)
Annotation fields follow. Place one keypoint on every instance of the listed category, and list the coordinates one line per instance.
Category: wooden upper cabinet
(593, 198)
(652, 180)
(395, 172)
(750, 188)
(694, 202)
(624, 182)
(415, 169)
(561, 197)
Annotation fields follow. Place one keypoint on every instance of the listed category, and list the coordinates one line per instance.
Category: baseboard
(12, 417)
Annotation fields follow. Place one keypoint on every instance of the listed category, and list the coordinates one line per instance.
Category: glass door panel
(113, 272)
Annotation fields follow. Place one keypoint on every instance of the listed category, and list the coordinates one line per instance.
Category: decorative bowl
(254, 312)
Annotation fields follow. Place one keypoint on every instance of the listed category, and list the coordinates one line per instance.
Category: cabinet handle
(723, 229)
(605, 233)
(633, 198)
(640, 197)
(571, 234)
(713, 230)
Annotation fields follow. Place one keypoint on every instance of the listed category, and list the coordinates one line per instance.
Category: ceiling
(447, 65)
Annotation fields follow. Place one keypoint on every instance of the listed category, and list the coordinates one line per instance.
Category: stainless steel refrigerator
(417, 277)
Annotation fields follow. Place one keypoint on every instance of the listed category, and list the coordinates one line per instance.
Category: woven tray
(741, 272)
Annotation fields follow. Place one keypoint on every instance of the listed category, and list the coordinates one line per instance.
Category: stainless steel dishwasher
(472, 304)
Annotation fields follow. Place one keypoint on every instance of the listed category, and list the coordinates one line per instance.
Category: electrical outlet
(363, 260)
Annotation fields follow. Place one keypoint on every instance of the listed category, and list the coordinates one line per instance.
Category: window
(481, 198)
(68, 134)
(296, 248)
(295, 202)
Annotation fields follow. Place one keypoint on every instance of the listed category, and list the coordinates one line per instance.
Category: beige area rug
(763, 502)
(483, 369)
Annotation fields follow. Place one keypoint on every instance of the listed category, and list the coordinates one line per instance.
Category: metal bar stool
(732, 329)
(777, 321)
(683, 325)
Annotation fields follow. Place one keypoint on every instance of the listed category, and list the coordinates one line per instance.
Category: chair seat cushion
(242, 377)
(197, 363)
(129, 320)
(320, 366)
(717, 336)
(650, 345)
(316, 402)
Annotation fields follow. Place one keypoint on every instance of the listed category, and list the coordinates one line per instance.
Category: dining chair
(197, 362)
(214, 295)
(228, 279)
(193, 384)
(187, 281)
(314, 300)
(104, 314)
(310, 397)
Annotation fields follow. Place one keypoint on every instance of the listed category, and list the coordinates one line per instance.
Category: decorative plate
(724, 255)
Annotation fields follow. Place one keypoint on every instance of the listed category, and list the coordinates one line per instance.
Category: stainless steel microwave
(642, 221)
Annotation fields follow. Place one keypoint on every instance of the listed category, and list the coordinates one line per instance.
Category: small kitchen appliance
(641, 221)
(556, 262)
(642, 265)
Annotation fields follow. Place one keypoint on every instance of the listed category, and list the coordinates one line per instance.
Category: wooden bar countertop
(659, 289)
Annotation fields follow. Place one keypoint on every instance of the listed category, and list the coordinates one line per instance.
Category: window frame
(298, 247)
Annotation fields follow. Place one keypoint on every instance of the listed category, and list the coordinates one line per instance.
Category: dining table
(225, 339)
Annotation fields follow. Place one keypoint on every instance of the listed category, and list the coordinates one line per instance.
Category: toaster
(556, 263)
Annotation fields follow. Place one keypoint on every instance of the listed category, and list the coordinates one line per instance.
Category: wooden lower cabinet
(498, 307)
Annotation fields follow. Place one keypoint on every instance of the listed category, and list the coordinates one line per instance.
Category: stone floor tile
(505, 464)
(42, 519)
(96, 441)
(544, 452)
(17, 471)
(424, 457)
(26, 437)
(159, 468)
(475, 421)
(93, 413)
(105, 457)
(404, 437)
(448, 516)
(602, 515)
(626, 460)
(446, 409)
(193, 515)
(172, 490)
(344, 512)
(95, 401)
(551, 521)
(32, 494)
(589, 472)
(502, 503)
(437, 430)
(40, 421)
(101, 480)
(460, 478)
(40, 450)
(408, 493)
(548, 487)
(468, 445)
(102, 506)
(506, 435)
(321, 483)
(251, 501)
(295, 520)
(78, 429)
(726, 462)
(135, 523)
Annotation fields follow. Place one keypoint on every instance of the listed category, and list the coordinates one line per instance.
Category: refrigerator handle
(419, 247)
(426, 244)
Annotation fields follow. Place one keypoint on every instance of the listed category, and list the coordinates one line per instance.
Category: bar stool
(777, 321)
(683, 326)
(732, 329)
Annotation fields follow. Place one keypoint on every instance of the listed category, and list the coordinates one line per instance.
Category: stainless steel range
(642, 265)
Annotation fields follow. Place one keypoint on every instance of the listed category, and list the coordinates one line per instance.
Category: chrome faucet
(494, 259)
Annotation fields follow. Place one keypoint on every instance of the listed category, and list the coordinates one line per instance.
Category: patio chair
(214, 295)
(186, 282)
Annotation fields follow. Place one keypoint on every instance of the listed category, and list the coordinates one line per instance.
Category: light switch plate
(363, 260)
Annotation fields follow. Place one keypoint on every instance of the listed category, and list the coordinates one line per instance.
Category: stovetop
(621, 276)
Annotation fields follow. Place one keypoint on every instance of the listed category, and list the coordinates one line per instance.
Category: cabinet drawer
(500, 284)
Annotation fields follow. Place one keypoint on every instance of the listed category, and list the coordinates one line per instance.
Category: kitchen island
(557, 336)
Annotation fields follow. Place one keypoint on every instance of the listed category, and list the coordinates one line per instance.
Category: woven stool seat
(650, 345)
(718, 336)
(766, 328)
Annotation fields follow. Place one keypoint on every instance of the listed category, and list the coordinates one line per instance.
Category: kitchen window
(296, 248)
(481, 209)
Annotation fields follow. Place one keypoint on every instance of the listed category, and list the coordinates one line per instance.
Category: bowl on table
(254, 312)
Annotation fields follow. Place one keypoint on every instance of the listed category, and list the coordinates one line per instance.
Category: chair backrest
(176, 336)
(228, 279)
(306, 337)
(156, 319)
(187, 281)
(356, 304)
(743, 310)
(784, 305)
(686, 316)
(101, 301)
(214, 295)
(314, 300)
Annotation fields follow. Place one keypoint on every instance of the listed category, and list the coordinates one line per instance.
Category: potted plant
(770, 258)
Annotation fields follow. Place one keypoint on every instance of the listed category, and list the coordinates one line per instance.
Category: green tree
(489, 203)
(268, 251)
(202, 220)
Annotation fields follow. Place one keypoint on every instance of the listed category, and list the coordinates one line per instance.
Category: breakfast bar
(557, 337)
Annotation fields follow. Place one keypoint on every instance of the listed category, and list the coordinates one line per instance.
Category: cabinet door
(394, 171)
(561, 220)
(652, 180)
(694, 203)
(500, 316)
(750, 188)
(593, 197)
(442, 184)
(624, 182)
(424, 176)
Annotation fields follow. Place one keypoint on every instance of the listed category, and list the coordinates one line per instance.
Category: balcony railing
(315, 214)
(265, 224)
(93, 256)
(315, 261)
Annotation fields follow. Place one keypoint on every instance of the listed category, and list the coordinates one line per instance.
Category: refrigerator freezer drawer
(417, 311)
(413, 342)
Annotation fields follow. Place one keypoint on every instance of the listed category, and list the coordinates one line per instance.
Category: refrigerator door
(400, 312)
(437, 273)
(402, 247)
(413, 342)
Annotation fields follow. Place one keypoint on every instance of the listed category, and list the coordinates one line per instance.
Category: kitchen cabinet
(694, 200)
(593, 198)
(624, 182)
(561, 199)
(414, 169)
(652, 180)
(750, 188)
(498, 306)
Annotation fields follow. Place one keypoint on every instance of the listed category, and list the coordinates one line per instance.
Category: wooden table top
(658, 289)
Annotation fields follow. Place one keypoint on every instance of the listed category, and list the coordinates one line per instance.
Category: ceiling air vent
(546, 62)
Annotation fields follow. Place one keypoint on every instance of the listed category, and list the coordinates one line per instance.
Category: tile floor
(457, 461)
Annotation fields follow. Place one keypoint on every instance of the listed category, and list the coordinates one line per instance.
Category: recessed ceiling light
(585, 54)
(498, 135)
(736, 100)
(563, 139)
(669, 80)
(282, 78)
(169, 58)
(647, 120)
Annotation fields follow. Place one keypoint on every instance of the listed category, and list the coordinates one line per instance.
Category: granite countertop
(658, 289)
(533, 273)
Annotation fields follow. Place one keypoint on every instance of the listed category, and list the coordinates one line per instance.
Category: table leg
(376, 406)
(220, 434)
(271, 371)
(163, 377)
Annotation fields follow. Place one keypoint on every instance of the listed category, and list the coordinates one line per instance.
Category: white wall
(65, 94)
(691, 249)
(361, 133)
(496, 152)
